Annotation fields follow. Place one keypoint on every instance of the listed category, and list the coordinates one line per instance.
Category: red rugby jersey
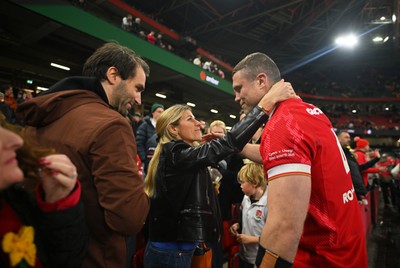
(299, 139)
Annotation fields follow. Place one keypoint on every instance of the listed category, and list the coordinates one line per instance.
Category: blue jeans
(162, 258)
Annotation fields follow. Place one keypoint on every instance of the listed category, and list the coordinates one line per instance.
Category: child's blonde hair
(253, 173)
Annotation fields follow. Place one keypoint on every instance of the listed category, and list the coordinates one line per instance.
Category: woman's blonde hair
(253, 173)
(218, 123)
(171, 116)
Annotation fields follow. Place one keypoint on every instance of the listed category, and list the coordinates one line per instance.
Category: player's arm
(288, 200)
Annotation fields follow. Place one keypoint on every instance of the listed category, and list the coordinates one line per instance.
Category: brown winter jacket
(76, 119)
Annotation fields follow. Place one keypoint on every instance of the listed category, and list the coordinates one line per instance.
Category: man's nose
(138, 98)
(237, 97)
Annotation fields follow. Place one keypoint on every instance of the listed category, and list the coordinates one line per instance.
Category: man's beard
(117, 100)
(122, 110)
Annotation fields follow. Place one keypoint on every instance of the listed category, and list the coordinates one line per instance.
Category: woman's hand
(58, 178)
(280, 91)
(210, 136)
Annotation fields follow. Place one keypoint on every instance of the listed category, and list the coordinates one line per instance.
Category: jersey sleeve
(286, 146)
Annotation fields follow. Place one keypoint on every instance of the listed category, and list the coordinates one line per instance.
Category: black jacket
(145, 131)
(355, 172)
(7, 112)
(185, 207)
(60, 236)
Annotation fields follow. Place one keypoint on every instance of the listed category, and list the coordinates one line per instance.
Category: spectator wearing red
(151, 38)
(386, 180)
(221, 73)
(5, 109)
(362, 147)
(9, 97)
(395, 170)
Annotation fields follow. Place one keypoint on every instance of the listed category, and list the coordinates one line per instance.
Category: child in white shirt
(253, 212)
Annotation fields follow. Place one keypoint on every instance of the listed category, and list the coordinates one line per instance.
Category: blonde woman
(184, 208)
(218, 126)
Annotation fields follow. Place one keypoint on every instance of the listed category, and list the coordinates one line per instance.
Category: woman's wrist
(267, 104)
(264, 109)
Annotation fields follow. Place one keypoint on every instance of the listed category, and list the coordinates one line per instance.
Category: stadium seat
(234, 257)
(227, 239)
(138, 259)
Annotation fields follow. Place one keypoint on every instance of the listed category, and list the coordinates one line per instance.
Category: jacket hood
(64, 96)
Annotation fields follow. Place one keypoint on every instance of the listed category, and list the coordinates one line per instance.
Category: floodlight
(162, 96)
(349, 40)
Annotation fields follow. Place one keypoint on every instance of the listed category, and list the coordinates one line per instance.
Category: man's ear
(262, 80)
(112, 75)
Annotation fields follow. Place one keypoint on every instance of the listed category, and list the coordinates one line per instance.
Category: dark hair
(256, 63)
(4, 87)
(342, 131)
(113, 54)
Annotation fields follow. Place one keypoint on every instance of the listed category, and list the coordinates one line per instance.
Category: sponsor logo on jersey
(348, 196)
(314, 111)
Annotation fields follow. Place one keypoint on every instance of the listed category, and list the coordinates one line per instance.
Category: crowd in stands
(135, 27)
(10, 98)
(208, 65)
(366, 116)
(367, 83)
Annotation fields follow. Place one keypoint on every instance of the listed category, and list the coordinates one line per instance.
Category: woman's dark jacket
(60, 236)
(185, 207)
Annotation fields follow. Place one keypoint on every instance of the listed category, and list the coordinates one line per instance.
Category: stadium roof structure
(294, 33)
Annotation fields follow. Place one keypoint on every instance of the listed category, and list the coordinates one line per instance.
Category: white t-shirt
(253, 220)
